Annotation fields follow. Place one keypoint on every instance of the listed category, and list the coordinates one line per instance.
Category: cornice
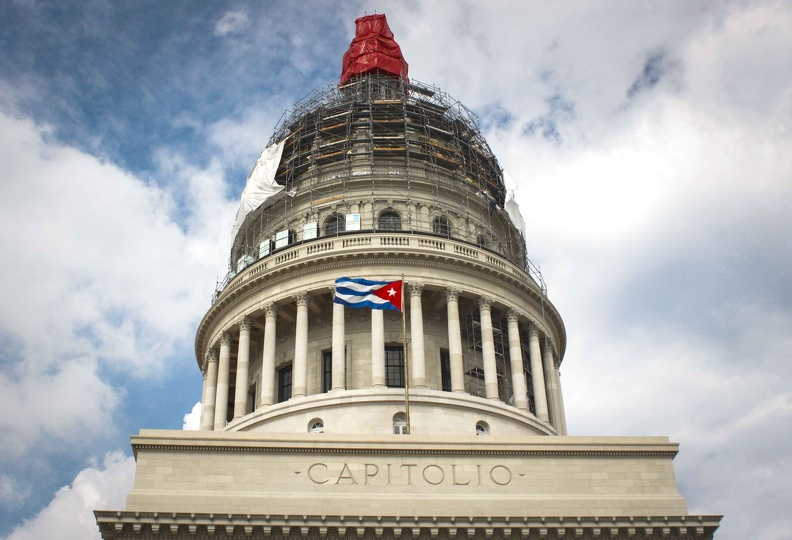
(313, 450)
(123, 524)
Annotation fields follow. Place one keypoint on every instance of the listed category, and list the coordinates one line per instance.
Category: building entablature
(134, 525)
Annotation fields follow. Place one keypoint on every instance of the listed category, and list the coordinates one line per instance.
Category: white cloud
(192, 420)
(231, 22)
(98, 273)
(70, 513)
(243, 136)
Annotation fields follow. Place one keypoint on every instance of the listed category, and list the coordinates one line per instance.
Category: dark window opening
(445, 370)
(334, 224)
(284, 382)
(389, 220)
(440, 225)
(327, 370)
(394, 366)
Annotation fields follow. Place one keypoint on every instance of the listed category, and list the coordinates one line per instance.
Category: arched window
(316, 426)
(482, 428)
(400, 424)
(441, 225)
(389, 220)
(334, 224)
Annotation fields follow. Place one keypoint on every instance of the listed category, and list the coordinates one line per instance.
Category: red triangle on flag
(392, 292)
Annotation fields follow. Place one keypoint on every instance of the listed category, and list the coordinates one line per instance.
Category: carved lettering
(367, 474)
(409, 471)
(311, 476)
(504, 480)
(439, 478)
(347, 476)
(454, 477)
(430, 475)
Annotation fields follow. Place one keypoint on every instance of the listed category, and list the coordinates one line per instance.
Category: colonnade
(545, 380)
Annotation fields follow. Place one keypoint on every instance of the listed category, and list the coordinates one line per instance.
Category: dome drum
(445, 278)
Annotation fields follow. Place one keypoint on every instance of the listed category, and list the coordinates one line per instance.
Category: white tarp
(513, 209)
(260, 184)
(352, 222)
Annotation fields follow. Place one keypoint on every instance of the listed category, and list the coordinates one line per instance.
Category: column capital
(245, 324)
(533, 330)
(225, 338)
(484, 303)
(452, 295)
(512, 316)
(270, 310)
(211, 356)
(416, 288)
(332, 290)
(301, 299)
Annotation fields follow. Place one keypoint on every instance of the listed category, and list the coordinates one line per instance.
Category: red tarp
(373, 49)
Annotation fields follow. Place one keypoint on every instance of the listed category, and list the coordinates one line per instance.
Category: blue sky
(650, 147)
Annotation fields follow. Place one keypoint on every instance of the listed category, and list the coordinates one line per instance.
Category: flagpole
(406, 360)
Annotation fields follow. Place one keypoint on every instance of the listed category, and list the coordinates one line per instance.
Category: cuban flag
(365, 293)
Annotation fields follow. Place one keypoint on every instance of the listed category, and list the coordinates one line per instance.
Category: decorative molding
(134, 524)
(245, 324)
(354, 451)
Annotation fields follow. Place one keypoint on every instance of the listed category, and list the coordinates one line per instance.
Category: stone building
(323, 421)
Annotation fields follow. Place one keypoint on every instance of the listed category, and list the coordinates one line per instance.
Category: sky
(649, 145)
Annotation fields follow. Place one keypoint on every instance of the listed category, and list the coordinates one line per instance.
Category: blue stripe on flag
(344, 290)
(365, 304)
(361, 281)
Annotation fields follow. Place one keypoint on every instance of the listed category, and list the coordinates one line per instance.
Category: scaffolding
(384, 117)
(381, 128)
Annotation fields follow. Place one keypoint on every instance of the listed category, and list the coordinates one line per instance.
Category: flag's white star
(391, 291)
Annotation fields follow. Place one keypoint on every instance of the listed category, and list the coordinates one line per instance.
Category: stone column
(243, 362)
(204, 384)
(300, 346)
(561, 410)
(551, 383)
(561, 427)
(208, 405)
(540, 395)
(268, 356)
(339, 354)
(223, 367)
(417, 355)
(455, 342)
(515, 354)
(377, 348)
(488, 350)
